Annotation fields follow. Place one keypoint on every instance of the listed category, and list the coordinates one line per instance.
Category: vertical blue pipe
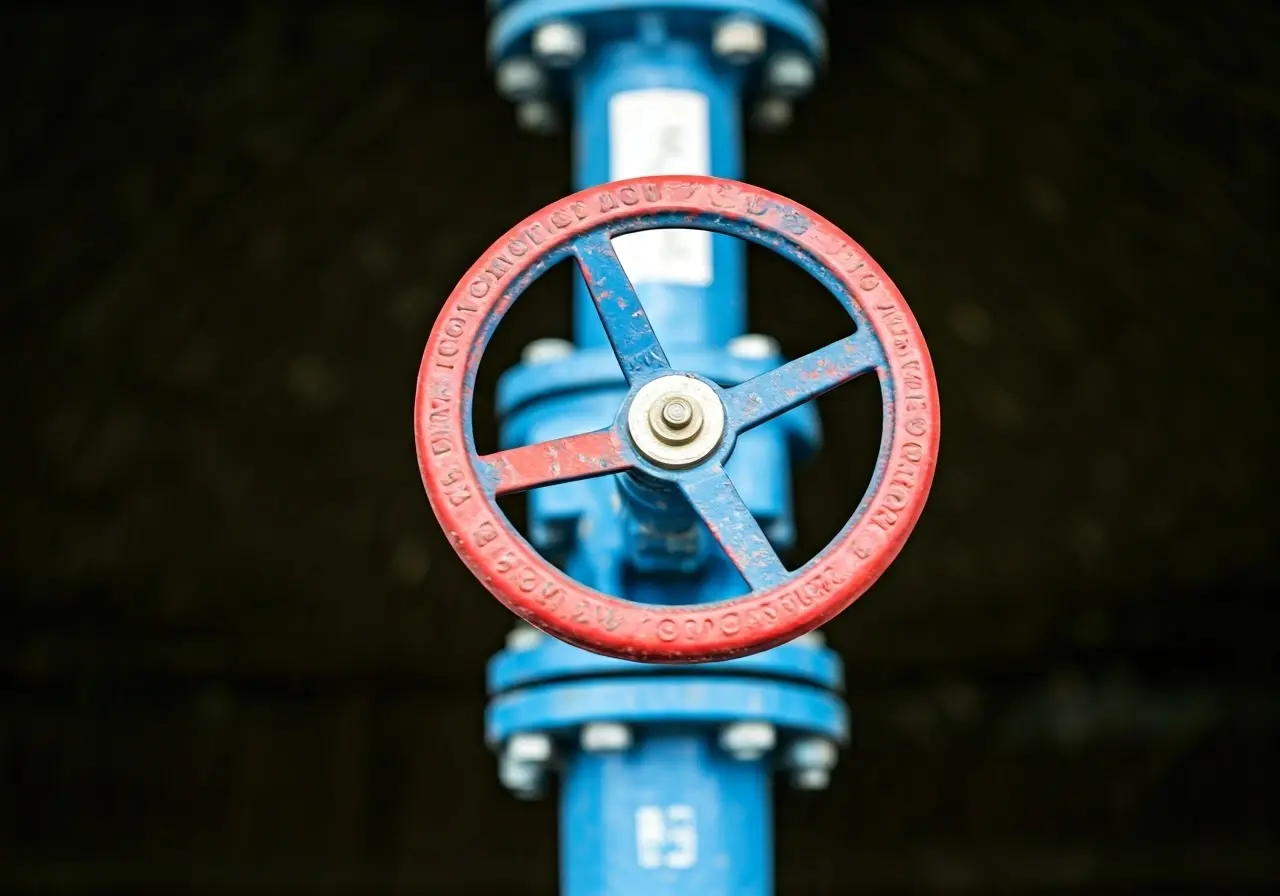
(683, 313)
(682, 93)
(672, 815)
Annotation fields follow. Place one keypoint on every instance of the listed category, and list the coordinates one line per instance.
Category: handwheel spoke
(624, 318)
(766, 396)
(558, 460)
(717, 501)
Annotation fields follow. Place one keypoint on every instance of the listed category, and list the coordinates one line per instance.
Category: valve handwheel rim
(463, 486)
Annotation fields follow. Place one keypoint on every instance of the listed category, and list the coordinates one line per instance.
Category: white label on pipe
(661, 131)
(666, 837)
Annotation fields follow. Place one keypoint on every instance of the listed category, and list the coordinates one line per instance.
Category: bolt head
(520, 79)
(748, 741)
(677, 413)
(811, 779)
(527, 781)
(676, 447)
(559, 44)
(537, 117)
(531, 747)
(675, 419)
(812, 752)
(789, 75)
(605, 737)
(738, 39)
(811, 760)
(522, 767)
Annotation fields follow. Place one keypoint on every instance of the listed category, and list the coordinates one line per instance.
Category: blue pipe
(674, 810)
(685, 118)
(673, 814)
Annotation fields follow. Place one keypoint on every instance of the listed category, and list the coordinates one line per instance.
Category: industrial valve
(667, 663)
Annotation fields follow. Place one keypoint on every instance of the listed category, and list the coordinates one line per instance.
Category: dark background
(236, 652)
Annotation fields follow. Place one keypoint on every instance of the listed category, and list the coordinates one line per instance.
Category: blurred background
(236, 652)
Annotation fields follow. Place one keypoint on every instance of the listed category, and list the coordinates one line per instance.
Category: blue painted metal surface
(683, 700)
(582, 392)
(683, 315)
(673, 812)
(793, 24)
(548, 659)
(613, 302)
(671, 815)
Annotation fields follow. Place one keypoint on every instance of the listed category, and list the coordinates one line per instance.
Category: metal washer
(676, 456)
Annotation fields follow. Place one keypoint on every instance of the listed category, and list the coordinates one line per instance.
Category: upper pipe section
(654, 104)
(658, 87)
(538, 46)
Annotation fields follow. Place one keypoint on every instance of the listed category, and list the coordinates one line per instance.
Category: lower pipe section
(672, 814)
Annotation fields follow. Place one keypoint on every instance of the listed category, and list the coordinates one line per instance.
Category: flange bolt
(522, 767)
(605, 737)
(559, 44)
(738, 39)
(520, 79)
(789, 75)
(811, 760)
(748, 741)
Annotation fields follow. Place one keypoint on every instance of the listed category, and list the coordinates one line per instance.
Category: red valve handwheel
(783, 604)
